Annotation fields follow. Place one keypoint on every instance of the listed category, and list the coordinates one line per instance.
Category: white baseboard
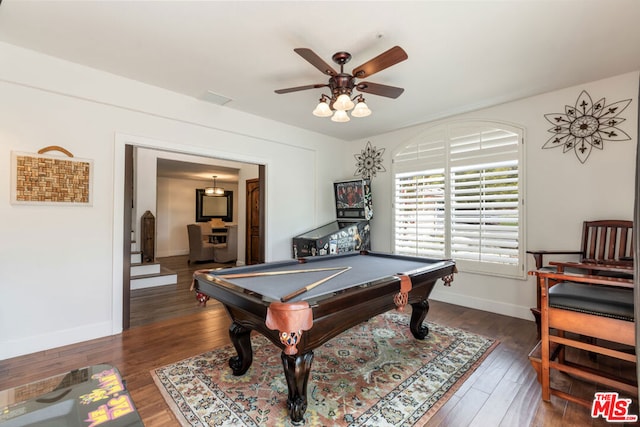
(482, 304)
(35, 343)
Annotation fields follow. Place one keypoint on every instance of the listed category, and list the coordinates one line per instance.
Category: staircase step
(138, 270)
(136, 257)
(165, 277)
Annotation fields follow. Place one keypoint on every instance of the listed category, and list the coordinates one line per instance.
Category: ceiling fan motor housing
(342, 83)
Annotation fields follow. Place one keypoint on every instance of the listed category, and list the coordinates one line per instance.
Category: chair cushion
(598, 300)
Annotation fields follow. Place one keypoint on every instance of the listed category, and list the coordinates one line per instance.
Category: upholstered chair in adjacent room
(199, 249)
(227, 252)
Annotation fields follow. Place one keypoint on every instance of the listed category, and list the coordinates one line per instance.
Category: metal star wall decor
(369, 162)
(586, 126)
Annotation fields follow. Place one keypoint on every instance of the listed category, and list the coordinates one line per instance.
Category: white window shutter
(458, 193)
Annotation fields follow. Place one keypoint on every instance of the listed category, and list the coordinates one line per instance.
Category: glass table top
(90, 396)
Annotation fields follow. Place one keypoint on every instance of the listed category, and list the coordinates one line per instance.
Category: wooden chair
(595, 306)
(608, 242)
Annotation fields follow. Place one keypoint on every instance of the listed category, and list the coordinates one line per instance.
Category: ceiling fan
(343, 84)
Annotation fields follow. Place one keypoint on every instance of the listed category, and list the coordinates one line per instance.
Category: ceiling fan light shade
(340, 116)
(322, 110)
(343, 103)
(361, 110)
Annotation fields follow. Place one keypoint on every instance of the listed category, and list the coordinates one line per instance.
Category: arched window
(459, 194)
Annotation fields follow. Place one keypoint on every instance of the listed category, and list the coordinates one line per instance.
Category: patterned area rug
(375, 374)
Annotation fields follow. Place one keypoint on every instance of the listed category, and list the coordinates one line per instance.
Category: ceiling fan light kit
(343, 84)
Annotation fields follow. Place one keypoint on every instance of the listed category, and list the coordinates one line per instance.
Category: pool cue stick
(274, 273)
(312, 285)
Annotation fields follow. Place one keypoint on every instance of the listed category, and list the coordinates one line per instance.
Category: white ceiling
(463, 55)
(178, 169)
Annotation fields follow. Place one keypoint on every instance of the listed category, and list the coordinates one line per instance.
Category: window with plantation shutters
(458, 194)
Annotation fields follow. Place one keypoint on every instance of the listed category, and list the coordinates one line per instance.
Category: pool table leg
(241, 339)
(418, 314)
(296, 370)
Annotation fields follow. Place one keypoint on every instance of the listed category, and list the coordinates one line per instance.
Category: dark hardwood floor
(165, 302)
(170, 326)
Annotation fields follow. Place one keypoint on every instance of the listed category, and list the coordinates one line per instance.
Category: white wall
(560, 192)
(61, 266)
(176, 208)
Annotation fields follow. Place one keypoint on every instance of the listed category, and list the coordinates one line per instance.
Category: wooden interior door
(255, 220)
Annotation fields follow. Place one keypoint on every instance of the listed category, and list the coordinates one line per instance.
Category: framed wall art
(38, 179)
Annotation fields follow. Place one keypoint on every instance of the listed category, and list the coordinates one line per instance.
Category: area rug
(375, 374)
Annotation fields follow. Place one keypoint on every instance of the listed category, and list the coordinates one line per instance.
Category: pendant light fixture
(214, 191)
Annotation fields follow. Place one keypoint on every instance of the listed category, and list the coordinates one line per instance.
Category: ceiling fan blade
(297, 88)
(379, 89)
(315, 60)
(384, 60)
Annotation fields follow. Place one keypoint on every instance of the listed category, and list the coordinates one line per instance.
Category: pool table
(301, 304)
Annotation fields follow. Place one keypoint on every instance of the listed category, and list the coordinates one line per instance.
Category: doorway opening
(132, 198)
